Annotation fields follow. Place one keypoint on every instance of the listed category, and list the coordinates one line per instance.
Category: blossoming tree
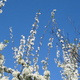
(23, 54)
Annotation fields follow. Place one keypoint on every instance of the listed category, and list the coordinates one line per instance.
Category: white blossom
(47, 73)
(15, 78)
(15, 73)
(1, 62)
(5, 0)
(50, 44)
(54, 9)
(1, 10)
(5, 78)
(59, 30)
(27, 70)
(2, 46)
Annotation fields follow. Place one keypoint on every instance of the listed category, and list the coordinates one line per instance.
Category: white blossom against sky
(20, 14)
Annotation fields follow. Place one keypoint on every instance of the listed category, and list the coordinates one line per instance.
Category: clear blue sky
(20, 15)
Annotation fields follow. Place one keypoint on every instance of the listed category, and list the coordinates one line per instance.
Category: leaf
(6, 41)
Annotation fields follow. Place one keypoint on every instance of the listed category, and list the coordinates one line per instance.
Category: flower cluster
(70, 56)
(31, 39)
(28, 75)
(28, 61)
(52, 15)
(18, 52)
(2, 46)
(24, 56)
(2, 3)
(23, 53)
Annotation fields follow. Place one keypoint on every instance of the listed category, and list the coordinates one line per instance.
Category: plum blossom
(27, 70)
(2, 46)
(5, 78)
(15, 73)
(2, 3)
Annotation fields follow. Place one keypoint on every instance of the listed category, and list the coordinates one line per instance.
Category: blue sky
(20, 14)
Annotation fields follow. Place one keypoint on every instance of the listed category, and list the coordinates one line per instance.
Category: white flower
(53, 20)
(38, 13)
(59, 30)
(17, 56)
(20, 61)
(58, 35)
(32, 43)
(47, 73)
(15, 73)
(38, 48)
(36, 67)
(54, 9)
(1, 11)
(58, 53)
(39, 77)
(15, 49)
(27, 70)
(5, 0)
(23, 41)
(1, 5)
(37, 19)
(2, 46)
(1, 57)
(33, 31)
(5, 78)
(1, 62)
(61, 36)
(61, 41)
(51, 39)
(33, 26)
(31, 69)
(1, 70)
(23, 36)
(50, 44)
(43, 61)
(15, 78)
